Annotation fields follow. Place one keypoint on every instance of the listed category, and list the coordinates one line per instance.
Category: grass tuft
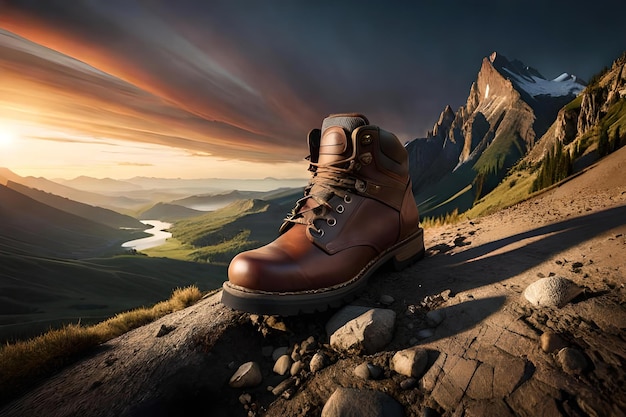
(26, 362)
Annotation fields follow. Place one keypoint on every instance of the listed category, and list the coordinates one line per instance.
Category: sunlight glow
(8, 136)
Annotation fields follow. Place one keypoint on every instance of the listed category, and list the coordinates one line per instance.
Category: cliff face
(578, 119)
(508, 107)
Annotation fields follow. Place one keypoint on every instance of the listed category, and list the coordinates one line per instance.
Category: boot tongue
(336, 130)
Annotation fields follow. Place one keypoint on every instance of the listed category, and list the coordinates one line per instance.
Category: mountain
(468, 152)
(168, 212)
(97, 214)
(99, 185)
(116, 203)
(31, 227)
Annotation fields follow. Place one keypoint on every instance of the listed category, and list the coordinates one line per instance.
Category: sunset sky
(198, 89)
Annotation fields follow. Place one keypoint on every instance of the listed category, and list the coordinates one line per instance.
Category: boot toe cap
(257, 270)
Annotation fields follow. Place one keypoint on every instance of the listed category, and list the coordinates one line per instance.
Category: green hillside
(97, 214)
(215, 237)
(40, 230)
(39, 293)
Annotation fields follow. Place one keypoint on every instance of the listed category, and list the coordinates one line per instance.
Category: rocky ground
(461, 333)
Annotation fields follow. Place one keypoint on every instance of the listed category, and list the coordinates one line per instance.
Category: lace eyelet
(347, 199)
(339, 209)
(331, 221)
(317, 232)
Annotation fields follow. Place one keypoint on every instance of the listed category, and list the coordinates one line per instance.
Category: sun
(7, 137)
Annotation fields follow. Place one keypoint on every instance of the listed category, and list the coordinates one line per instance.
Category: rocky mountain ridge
(469, 151)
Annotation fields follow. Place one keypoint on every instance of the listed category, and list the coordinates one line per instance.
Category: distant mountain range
(468, 152)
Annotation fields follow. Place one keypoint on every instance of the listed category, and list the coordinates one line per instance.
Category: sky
(201, 89)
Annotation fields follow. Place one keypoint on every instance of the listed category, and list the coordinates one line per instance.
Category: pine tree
(603, 143)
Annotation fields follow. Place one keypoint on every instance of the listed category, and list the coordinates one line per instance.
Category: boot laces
(327, 181)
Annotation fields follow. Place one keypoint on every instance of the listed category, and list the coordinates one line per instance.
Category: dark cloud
(261, 74)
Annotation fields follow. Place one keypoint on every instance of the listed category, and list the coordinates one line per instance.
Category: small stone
(282, 365)
(278, 352)
(347, 402)
(435, 317)
(410, 362)
(551, 342)
(386, 300)
(551, 292)
(362, 371)
(375, 371)
(572, 360)
(408, 383)
(318, 362)
(425, 333)
(308, 346)
(296, 367)
(283, 386)
(247, 375)
(245, 398)
(367, 333)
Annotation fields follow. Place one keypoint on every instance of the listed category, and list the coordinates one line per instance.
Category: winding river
(159, 236)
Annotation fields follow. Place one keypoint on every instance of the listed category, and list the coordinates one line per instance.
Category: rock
(551, 292)
(284, 386)
(367, 333)
(572, 360)
(278, 352)
(410, 362)
(386, 300)
(435, 317)
(308, 346)
(408, 383)
(425, 333)
(350, 402)
(282, 365)
(368, 371)
(318, 362)
(247, 375)
(296, 367)
(551, 342)
(341, 317)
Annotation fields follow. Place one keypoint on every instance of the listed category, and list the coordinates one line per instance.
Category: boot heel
(411, 252)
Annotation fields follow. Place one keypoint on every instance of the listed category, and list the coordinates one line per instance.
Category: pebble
(278, 352)
(296, 367)
(425, 333)
(284, 386)
(551, 342)
(318, 362)
(408, 383)
(247, 375)
(572, 360)
(410, 362)
(368, 333)
(282, 365)
(435, 317)
(387, 300)
(367, 371)
(347, 402)
(551, 292)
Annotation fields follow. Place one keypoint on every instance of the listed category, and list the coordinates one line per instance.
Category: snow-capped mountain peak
(532, 82)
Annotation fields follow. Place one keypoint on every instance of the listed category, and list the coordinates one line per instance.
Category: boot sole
(400, 256)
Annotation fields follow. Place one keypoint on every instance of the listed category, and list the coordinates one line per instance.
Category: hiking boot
(358, 213)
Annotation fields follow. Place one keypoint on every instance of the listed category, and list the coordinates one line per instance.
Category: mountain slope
(97, 214)
(35, 228)
(586, 129)
(469, 152)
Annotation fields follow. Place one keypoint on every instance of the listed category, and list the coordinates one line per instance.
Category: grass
(26, 362)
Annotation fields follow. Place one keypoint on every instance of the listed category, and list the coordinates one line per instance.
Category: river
(159, 236)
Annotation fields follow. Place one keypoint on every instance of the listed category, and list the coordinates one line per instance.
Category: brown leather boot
(357, 213)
